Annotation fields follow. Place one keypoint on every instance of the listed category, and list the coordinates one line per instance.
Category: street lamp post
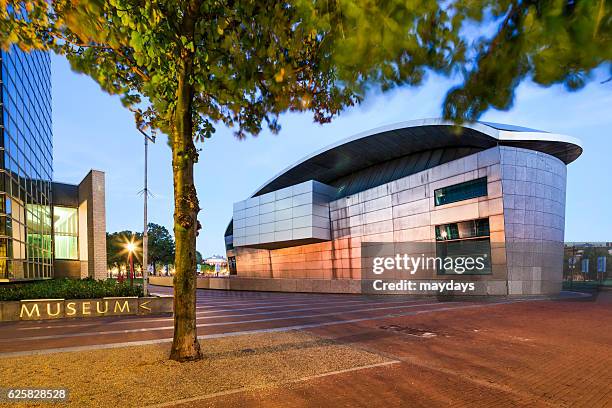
(131, 247)
(145, 234)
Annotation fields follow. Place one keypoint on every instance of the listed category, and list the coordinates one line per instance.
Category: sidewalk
(143, 376)
(536, 354)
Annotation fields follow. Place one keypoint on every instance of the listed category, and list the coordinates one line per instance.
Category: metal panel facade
(289, 216)
(524, 203)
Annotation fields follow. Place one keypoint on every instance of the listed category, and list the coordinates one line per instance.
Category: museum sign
(45, 309)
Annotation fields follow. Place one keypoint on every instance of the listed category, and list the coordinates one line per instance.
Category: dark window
(447, 231)
(455, 256)
(461, 191)
(462, 240)
(463, 230)
(231, 263)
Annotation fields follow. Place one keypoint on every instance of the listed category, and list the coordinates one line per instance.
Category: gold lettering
(57, 311)
(30, 313)
(105, 307)
(70, 309)
(86, 308)
(142, 305)
(125, 307)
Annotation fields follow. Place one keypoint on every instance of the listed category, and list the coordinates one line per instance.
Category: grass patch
(69, 289)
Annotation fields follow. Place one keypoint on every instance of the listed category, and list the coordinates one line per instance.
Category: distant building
(216, 260)
(47, 229)
(499, 186)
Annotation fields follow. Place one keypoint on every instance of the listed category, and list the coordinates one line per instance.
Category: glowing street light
(131, 248)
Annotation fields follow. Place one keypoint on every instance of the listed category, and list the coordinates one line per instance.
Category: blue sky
(93, 130)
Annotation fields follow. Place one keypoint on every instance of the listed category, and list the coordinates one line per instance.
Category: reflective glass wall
(25, 165)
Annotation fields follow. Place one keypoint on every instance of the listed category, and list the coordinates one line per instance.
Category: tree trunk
(185, 345)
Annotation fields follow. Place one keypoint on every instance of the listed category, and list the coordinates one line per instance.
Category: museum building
(501, 187)
(47, 229)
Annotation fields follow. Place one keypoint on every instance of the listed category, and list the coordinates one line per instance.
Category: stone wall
(92, 192)
(89, 200)
(269, 285)
(65, 268)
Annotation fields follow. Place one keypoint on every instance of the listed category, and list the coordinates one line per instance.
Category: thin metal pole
(131, 260)
(145, 235)
(571, 266)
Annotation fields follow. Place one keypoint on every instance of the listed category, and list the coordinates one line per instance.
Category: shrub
(69, 289)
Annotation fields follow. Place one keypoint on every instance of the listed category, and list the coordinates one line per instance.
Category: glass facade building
(26, 156)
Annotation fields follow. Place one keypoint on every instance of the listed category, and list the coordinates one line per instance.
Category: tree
(161, 245)
(184, 67)
(547, 41)
(116, 252)
(198, 257)
(113, 258)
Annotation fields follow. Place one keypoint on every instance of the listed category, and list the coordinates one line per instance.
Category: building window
(66, 229)
(461, 191)
(461, 241)
(231, 263)
(463, 230)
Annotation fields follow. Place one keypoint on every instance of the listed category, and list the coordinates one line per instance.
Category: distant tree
(161, 245)
(116, 252)
(198, 257)
(208, 268)
(185, 67)
(112, 252)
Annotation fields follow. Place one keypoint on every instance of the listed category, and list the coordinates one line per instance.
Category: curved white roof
(392, 151)
(566, 148)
